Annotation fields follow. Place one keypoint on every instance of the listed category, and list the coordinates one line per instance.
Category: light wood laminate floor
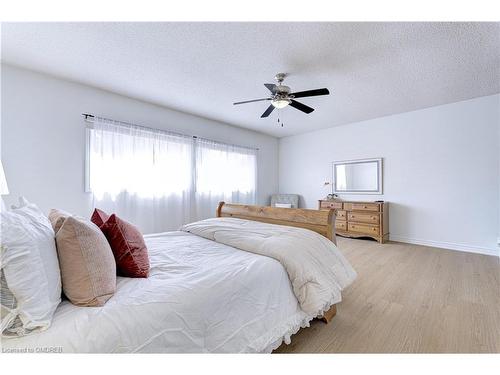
(410, 299)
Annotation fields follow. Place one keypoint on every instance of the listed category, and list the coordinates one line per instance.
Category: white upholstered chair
(292, 199)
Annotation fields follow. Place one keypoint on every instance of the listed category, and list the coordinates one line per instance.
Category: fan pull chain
(279, 122)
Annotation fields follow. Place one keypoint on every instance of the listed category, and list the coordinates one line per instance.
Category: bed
(202, 294)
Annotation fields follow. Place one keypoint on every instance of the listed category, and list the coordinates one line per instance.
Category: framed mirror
(357, 176)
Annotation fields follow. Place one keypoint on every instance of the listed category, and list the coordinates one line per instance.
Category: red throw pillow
(99, 217)
(129, 249)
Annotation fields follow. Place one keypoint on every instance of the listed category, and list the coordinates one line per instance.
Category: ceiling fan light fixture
(282, 96)
(280, 103)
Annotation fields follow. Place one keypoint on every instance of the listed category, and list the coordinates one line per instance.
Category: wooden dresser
(360, 219)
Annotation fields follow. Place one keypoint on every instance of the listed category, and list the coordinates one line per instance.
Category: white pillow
(30, 276)
(283, 205)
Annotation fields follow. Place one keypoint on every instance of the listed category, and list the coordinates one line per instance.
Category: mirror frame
(379, 189)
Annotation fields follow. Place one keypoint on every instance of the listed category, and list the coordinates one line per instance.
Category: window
(137, 161)
(224, 169)
(151, 176)
(223, 173)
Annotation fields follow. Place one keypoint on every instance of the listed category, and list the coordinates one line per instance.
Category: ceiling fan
(281, 96)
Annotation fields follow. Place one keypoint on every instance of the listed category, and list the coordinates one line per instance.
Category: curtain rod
(89, 117)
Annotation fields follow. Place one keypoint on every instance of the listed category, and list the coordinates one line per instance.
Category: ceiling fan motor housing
(281, 89)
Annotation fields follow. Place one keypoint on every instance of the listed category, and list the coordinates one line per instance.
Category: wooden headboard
(320, 221)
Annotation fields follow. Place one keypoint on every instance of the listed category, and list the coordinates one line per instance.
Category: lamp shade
(280, 103)
(4, 189)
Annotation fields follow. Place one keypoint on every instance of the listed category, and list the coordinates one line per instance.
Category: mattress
(201, 296)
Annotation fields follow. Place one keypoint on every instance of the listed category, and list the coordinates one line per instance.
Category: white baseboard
(447, 245)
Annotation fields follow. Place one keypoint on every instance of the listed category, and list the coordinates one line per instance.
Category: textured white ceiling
(371, 69)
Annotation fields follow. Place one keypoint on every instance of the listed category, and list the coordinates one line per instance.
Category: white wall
(43, 137)
(441, 171)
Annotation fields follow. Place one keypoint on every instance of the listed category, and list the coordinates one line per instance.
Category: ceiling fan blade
(301, 107)
(271, 87)
(317, 92)
(268, 111)
(251, 101)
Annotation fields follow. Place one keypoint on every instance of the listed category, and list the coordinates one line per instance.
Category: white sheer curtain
(223, 173)
(143, 175)
(158, 180)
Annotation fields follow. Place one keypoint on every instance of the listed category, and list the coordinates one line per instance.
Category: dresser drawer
(341, 214)
(363, 228)
(340, 225)
(336, 205)
(361, 206)
(363, 217)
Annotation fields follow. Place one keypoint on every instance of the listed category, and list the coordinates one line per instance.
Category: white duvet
(201, 296)
(317, 270)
